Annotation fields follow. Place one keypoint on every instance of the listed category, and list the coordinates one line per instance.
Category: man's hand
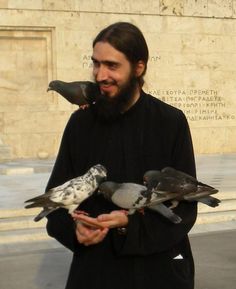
(89, 235)
(90, 231)
(114, 219)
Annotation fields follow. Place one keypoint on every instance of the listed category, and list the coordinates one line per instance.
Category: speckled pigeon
(77, 92)
(132, 197)
(173, 185)
(71, 194)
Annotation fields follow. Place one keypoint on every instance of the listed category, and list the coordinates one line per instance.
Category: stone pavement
(45, 264)
(34, 267)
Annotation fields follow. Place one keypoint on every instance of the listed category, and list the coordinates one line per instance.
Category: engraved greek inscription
(197, 104)
(87, 61)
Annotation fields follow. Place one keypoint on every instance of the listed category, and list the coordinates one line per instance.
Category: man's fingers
(89, 236)
(114, 219)
(97, 238)
(94, 222)
(86, 235)
(104, 217)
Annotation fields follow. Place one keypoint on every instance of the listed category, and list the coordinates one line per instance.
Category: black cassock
(155, 253)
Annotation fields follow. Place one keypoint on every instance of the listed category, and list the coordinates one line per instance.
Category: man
(129, 132)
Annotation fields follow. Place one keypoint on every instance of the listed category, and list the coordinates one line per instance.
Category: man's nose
(101, 74)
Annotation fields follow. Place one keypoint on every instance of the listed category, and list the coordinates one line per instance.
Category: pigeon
(69, 195)
(81, 93)
(174, 186)
(133, 197)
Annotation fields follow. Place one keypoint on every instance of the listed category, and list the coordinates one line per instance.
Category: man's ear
(139, 69)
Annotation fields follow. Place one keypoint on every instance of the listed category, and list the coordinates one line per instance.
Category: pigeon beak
(49, 88)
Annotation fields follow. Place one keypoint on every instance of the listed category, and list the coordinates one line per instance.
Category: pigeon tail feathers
(44, 213)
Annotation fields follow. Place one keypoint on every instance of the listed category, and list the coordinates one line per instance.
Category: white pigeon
(69, 195)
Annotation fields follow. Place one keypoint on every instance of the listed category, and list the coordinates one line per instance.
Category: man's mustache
(105, 82)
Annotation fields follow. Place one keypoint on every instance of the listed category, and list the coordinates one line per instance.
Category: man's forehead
(106, 61)
(103, 51)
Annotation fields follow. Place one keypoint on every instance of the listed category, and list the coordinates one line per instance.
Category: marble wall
(192, 65)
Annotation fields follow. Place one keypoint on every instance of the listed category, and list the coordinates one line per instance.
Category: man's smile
(107, 86)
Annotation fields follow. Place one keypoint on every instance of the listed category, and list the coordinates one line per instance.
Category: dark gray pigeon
(69, 195)
(76, 92)
(173, 185)
(132, 197)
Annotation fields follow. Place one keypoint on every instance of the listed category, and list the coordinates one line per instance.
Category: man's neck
(133, 99)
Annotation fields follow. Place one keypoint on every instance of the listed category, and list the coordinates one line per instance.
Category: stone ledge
(17, 171)
(215, 217)
(24, 236)
(12, 213)
(20, 223)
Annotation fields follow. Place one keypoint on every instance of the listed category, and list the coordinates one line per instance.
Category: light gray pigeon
(69, 195)
(132, 197)
(77, 92)
(173, 185)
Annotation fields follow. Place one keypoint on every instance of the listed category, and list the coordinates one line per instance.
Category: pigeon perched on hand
(69, 195)
(81, 93)
(132, 197)
(173, 185)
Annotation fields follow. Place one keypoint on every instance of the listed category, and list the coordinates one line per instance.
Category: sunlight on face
(111, 69)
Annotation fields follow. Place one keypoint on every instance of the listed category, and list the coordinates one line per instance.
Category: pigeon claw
(141, 211)
(124, 212)
(174, 204)
(84, 106)
(81, 212)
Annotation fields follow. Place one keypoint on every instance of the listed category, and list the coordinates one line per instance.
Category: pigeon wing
(128, 196)
(166, 212)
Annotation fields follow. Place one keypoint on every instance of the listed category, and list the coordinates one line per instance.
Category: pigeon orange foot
(141, 211)
(81, 212)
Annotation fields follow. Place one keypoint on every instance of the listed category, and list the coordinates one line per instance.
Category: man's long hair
(128, 39)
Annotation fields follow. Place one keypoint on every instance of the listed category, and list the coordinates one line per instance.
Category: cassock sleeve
(151, 233)
(60, 225)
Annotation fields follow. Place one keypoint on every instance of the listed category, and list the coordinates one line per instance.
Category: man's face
(116, 79)
(111, 69)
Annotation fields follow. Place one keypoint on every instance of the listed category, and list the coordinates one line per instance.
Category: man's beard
(111, 108)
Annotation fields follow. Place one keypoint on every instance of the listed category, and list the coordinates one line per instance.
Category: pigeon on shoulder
(69, 195)
(133, 197)
(81, 93)
(173, 185)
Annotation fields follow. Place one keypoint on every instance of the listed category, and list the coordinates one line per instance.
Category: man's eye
(113, 66)
(95, 63)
